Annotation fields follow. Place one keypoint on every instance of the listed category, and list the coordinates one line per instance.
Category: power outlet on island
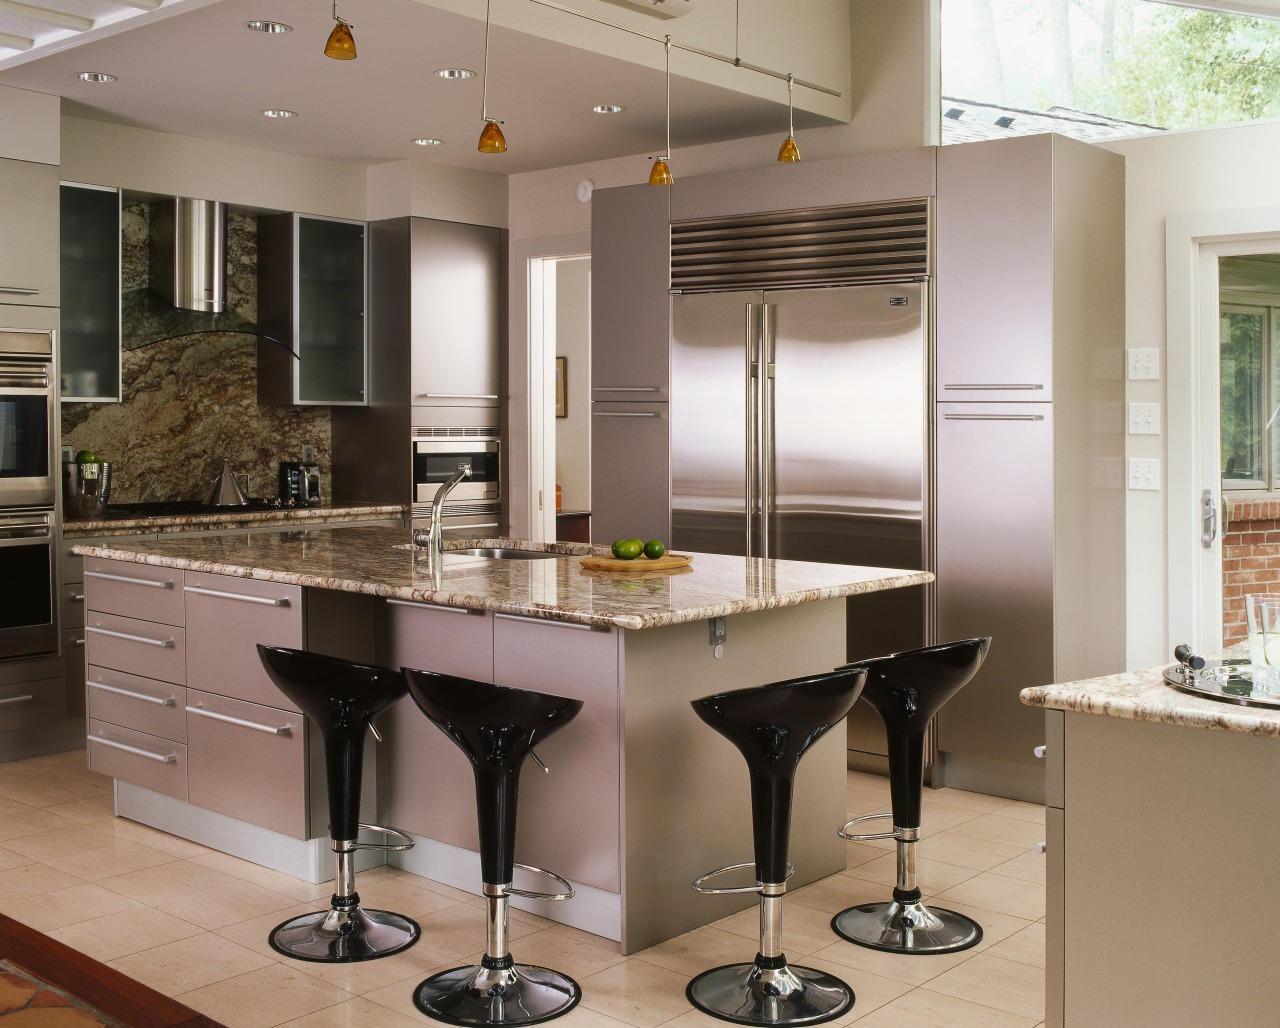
(1144, 473)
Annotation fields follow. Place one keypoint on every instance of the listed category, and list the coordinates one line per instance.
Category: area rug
(45, 984)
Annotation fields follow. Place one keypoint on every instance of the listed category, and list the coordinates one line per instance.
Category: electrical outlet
(1144, 419)
(1144, 473)
(1144, 363)
(308, 453)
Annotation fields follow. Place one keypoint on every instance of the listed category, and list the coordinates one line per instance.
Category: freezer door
(710, 419)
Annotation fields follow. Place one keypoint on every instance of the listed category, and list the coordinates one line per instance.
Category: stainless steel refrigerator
(800, 430)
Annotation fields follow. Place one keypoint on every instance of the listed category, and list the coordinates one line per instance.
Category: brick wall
(1250, 560)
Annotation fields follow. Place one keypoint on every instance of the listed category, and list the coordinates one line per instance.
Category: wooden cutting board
(664, 563)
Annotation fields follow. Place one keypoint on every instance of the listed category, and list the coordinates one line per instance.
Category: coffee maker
(299, 483)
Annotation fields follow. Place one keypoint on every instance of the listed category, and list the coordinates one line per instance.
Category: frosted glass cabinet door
(89, 345)
(330, 313)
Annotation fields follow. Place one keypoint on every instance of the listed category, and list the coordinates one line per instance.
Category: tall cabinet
(1030, 446)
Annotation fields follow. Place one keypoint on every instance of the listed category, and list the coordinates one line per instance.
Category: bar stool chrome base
(497, 992)
(907, 928)
(758, 994)
(343, 935)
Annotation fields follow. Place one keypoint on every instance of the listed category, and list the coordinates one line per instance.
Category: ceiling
(191, 67)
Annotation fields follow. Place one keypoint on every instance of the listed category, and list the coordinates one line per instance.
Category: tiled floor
(193, 923)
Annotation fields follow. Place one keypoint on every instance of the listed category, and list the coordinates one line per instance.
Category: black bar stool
(773, 726)
(341, 699)
(907, 689)
(496, 727)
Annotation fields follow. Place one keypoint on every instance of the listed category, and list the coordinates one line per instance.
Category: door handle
(1208, 518)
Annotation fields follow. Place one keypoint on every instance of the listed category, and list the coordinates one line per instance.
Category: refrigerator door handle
(751, 339)
(765, 451)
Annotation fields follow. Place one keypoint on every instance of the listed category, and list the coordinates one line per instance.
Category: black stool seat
(496, 727)
(773, 726)
(907, 689)
(341, 699)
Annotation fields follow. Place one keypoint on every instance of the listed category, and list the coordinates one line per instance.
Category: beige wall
(422, 190)
(573, 342)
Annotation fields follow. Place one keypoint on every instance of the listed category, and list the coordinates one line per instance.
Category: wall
(573, 342)
(189, 403)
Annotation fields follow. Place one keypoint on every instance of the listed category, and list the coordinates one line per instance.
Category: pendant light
(341, 45)
(660, 174)
(491, 138)
(789, 153)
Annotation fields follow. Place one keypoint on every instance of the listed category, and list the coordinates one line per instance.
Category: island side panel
(686, 791)
(1171, 838)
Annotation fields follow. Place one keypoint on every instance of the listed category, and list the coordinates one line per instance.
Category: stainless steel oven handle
(240, 722)
(24, 531)
(160, 701)
(266, 601)
(26, 697)
(34, 380)
(154, 583)
(138, 751)
(164, 644)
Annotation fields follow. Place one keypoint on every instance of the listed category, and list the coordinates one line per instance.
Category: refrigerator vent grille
(826, 246)
(454, 432)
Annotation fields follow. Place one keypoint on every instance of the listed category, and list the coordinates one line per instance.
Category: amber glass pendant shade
(341, 46)
(788, 153)
(491, 139)
(660, 174)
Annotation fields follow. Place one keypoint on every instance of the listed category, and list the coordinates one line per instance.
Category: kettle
(226, 490)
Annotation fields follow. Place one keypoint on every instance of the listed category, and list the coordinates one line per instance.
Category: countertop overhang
(382, 562)
(231, 517)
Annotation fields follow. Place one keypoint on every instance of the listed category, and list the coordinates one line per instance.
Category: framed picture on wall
(562, 405)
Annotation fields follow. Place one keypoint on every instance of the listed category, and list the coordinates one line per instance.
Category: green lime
(86, 457)
(629, 549)
(654, 549)
(614, 548)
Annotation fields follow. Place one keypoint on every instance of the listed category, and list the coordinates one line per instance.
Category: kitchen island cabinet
(1162, 831)
(641, 798)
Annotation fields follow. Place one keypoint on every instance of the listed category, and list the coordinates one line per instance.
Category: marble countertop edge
(74, 528)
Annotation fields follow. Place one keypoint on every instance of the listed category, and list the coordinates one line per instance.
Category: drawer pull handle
(993, 385)
(627, 389)
(458, 396)
(625, 414)
(153, 583)
(20, 290)
(162, 701)
(76, 597)
(240, 722)
(1040, 751)
(993, 417)
(268, 601)
(554, 622)
(164, 644)
(24, 698)
(1041, 847)
(434, 606)
(138, 751)
(79, 641)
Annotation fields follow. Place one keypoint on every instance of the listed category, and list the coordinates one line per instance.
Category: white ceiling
(191, 67)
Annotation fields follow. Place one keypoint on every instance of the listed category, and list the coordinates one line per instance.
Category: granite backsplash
(190, 403)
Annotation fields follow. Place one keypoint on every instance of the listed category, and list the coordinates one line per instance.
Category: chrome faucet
(437, 506)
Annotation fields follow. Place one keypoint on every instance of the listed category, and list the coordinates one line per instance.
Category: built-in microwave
(474, 503)
(27, 410)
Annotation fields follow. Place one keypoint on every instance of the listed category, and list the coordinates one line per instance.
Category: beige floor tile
(118, 857)
(608, 945)
(10, 859)
(398, 996)
(60, 842)
(1020, 811)
(189, 964)
(89, 811)
(357, 1013)
(583, 1017)
(148, 836)
(165, 881)
(295, 888)
(996, 927)
(999, 893)
(560, 952)
(969, 800)
(1026, 946)
(228, 865)
(909, 970)
(1029, 866)
(636, 992)
(124, 932)
(938, 817)
(252, 933)
(695, 951)
(870, 991)
(997, 828)
(805, 930)
(365, 977)
(836, 892)
(33, 880)
(72, 764)
(225, 904)
(29, 821)
(51, 910)
(41, 789)
(447, 891)
(995, 982)
(397, 895)
(932, 875)
(952, 847)
(271, 995)
(858, 853)
(531, 919)
(923, 1009)
(458, 930)
(7, 805)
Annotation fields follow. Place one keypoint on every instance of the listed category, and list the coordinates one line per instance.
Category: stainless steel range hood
(188, 276)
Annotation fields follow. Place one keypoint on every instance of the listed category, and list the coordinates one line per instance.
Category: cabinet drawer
(72, 605)
(32, 703)
(226, 618)
(138, 647)
(142, 704)
(248, 761)
(134, 590)
(138, 758)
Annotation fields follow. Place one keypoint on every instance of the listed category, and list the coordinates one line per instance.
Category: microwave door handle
(22, 379)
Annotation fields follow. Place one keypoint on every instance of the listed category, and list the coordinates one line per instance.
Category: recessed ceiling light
(456, 73)
(608, 108)
(268, 26)
(95, 76)
(426, 141)
(276, 112)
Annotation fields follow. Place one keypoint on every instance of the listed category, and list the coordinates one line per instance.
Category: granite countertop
(163, 524)
(381, 562)
(1144, 695)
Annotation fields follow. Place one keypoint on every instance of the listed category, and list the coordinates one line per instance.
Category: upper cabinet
(28, 233)
(89, 346)
(312, 287)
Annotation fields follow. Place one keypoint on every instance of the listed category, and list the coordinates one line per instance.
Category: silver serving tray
(1230, 681)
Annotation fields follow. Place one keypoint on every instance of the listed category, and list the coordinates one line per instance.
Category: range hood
(188, 278)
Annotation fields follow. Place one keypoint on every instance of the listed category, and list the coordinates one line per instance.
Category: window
(1248, 317)
(1099, 69)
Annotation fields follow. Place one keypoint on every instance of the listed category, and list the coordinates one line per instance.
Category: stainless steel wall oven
(28, 406)
(28, 571)
(475, 504)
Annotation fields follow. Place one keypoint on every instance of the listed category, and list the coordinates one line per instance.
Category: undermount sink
(503, 553)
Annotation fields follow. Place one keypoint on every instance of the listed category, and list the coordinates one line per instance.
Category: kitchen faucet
(437, 508)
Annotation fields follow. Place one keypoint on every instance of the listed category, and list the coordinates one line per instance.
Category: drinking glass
(1262, 610)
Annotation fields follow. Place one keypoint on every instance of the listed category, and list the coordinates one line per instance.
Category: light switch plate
(1144, 363)
(1144, 473)
(1144, 419)
(308, 453)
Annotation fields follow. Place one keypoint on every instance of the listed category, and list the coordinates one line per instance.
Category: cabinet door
(89, 346)
(29, 229)
(331, 311)
(226, 618)
(994, 291)
(995, 571)
(456, 288)
(31, 704)
(630, 305)
(630, 471)
(569, 819)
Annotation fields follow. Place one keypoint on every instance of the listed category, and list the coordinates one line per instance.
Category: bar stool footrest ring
(844, 833)
(550, 896)
(738, 890)
(406, 843)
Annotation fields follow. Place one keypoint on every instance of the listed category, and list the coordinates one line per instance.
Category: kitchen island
(1163, 827)
(641, 797)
